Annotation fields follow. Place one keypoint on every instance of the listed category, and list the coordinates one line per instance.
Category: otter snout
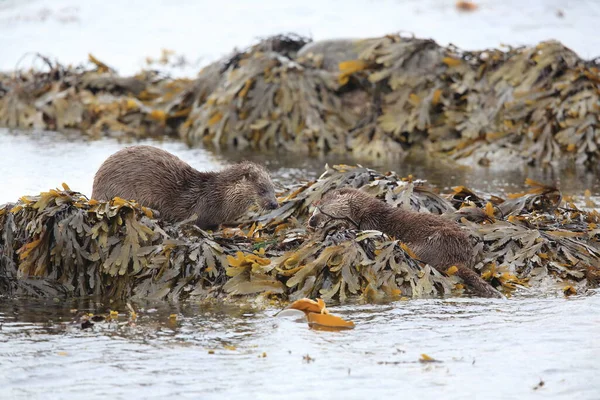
(316, 220)
(269, 203)
(272, 205)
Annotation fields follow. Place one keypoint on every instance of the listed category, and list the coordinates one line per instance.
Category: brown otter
(157, 179)
(435, 240)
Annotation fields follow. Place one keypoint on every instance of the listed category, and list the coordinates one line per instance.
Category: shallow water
(488, 349)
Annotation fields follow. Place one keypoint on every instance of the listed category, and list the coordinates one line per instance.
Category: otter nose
(273, 204)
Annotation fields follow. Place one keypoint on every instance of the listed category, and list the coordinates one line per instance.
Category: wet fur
(157, 179)
(435, 240)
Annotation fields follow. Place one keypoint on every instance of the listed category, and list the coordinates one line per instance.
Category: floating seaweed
(61, 243)
(372, 98)
(318, 316)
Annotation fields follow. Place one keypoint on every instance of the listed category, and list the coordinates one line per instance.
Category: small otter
(437, 241)
(157, 179)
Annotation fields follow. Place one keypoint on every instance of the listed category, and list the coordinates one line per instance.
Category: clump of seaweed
(521, 240)
(532, 104)
(96, 101)
(372, 98)
(267, 100)
(113, 249)
(59, 242)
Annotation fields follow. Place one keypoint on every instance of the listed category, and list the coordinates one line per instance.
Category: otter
(159, 180)
(435, 240)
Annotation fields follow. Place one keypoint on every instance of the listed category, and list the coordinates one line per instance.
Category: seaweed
(372, 98)
(113, 249)
(96, 101)
(270, 101)
(61, 243)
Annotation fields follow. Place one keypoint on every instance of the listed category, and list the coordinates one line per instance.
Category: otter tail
(477, 284)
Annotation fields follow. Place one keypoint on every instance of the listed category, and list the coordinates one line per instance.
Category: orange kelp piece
(427, 359)
(466, 6)
(329, 321)
(318, 316)
(310, 306)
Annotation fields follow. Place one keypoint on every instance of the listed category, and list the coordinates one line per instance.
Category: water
(489, 349)
(123, 34)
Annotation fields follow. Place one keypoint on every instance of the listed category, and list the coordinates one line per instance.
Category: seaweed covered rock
(96, 101)
(61, 243)
(522, 105)
(531, 104)
(268, 100)
(531, 239)
(371, 98)
(113, 249)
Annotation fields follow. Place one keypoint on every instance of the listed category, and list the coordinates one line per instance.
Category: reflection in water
(490, 349)
(444, 174)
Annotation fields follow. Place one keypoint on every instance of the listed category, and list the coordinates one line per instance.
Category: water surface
(124, 33)
(489, 350)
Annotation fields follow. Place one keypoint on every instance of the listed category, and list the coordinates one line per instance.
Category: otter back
(435, 240)
(153, 177)
(158, 179)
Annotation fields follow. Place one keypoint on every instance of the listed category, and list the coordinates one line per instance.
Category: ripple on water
(490, 349)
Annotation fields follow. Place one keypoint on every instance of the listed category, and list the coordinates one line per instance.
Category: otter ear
(246, 171)
(247, 176)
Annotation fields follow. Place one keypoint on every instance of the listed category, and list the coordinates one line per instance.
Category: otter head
(335, 205)
(252, 184)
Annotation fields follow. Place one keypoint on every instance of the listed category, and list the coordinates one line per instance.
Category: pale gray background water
(124, 33)
(490, 349)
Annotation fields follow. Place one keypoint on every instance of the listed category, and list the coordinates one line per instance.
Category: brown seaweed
(372, 98)
(61, 243)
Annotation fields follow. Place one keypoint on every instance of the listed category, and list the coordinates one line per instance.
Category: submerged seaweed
(372, 98)
(59, 242)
